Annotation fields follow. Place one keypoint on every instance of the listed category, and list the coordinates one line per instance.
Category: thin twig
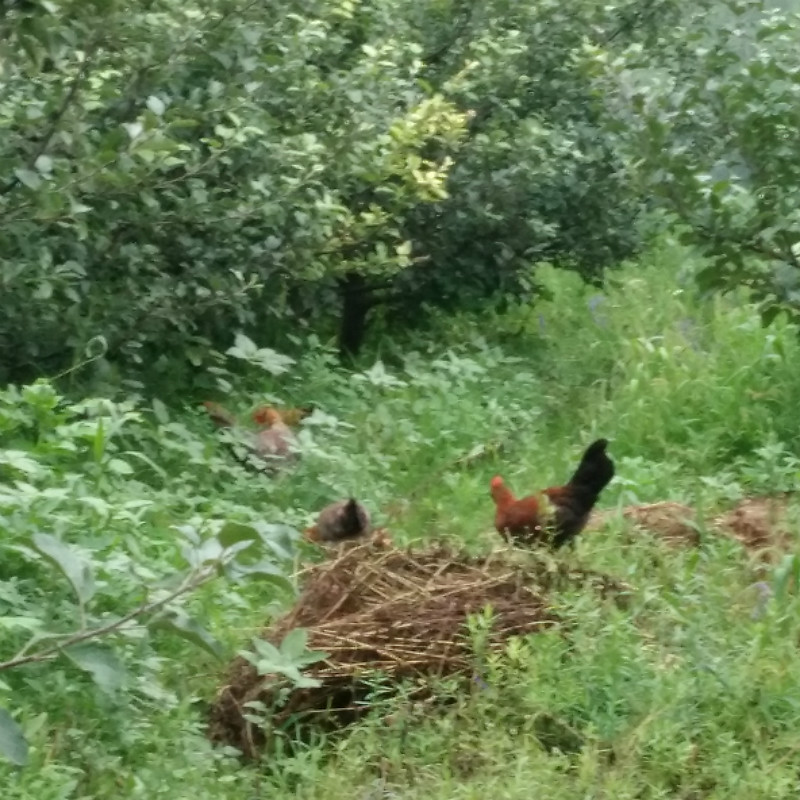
(192, 582)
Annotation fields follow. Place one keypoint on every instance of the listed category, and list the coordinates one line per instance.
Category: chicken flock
(551, 517)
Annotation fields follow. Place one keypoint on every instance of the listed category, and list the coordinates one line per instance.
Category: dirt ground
(764, 525)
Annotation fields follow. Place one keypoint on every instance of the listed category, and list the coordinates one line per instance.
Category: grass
(686, 694)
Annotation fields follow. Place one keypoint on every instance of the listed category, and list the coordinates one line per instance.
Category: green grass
(685, 694)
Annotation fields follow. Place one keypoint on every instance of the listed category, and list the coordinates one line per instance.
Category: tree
(709, 115)
(179, 171)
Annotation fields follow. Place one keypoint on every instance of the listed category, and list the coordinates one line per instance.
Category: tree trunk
(356, 304)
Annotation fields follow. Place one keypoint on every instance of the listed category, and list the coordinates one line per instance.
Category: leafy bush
(690, 687)
(176, 173)
(79, 502)
(707, 115)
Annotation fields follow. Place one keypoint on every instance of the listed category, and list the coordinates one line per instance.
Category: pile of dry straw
(396, 614)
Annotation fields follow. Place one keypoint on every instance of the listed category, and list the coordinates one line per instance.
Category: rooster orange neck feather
(266, 416)
(501, 494)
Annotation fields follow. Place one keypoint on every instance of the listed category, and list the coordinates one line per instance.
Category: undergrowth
(690, 692)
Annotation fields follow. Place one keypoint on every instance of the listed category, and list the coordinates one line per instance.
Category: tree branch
(66, 102)
(192, 581)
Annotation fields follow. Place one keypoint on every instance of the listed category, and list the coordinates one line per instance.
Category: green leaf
(99, 440)
(156, 105)
(243, 346)
(266, 658)
(305, 657)
(76, 208)
(288, 660)
(97, 346)
(26, 623)
(262, 570)
(265, 357)
(120, 467)
(769, 314)
(20, 460)
(74, 567)
(179, 623)
(13, 746)
(28, 178)
(44, 291)
(100, 662)
(234, 532)
(134, 129)
(294, 643)
(145, 459)
(160, 411)
(786, 574)
(44, 164)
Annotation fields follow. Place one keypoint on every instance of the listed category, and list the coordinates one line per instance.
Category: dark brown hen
(341, 521)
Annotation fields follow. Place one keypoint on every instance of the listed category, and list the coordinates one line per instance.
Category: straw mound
(759, 523)
(397, 614)
(672, 522)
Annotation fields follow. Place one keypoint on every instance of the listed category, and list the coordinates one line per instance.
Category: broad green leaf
(306, 682)
(294, 643)
(235, 532)
(76, 208)
(209, 551)
(243, 347)
(44, 291)
(44, 164)
(156, 105)
(27, 623)
(98, 504)
(145, 459)
(265, 657)
(120, 467)
(100, 662)
(74, 567)
(20, 460)
(187, 628)
(160, 411)
(281, 539)
(265, 571)
(134, 129)
(287, 660)
(29, 178)
(13, 746)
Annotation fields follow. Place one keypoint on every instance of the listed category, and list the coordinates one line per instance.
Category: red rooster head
(499, 491)
(266, 416)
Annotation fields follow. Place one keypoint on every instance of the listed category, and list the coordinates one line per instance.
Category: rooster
(341, 521)
(558, 514)
(273, 442)
(291, 416)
